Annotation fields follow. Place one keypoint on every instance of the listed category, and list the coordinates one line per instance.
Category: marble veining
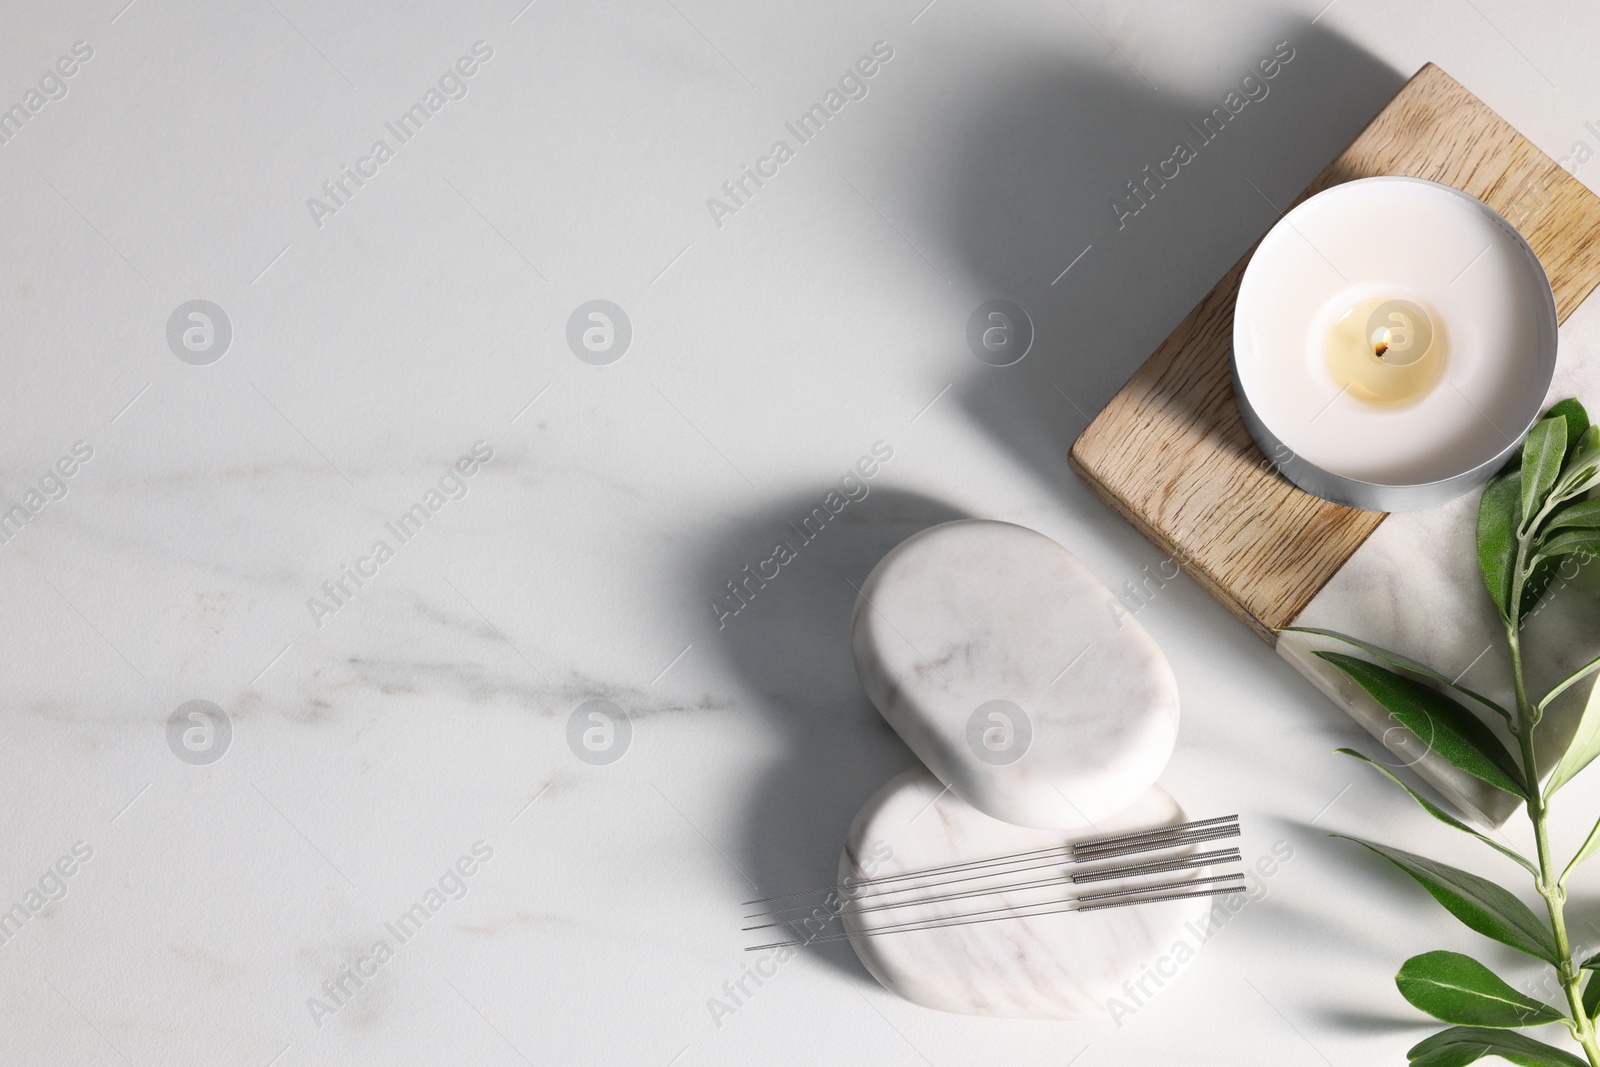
(430, 313)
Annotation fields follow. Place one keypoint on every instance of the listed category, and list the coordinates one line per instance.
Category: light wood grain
(1170, 453)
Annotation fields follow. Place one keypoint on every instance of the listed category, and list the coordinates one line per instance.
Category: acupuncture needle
(1097, 875)
(1091, 844)
(984, 869)
(1227, 826)
(1126, 900)
(1020, 910)
(1204, 859)
(1083, 851)
(883, 892)
(1228, 855)
(1157, 831)
(1024, 887)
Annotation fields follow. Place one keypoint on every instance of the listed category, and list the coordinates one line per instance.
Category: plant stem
(1571, 977)
(1554, 901)
(1548, 883)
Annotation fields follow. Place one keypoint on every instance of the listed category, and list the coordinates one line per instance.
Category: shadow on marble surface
(1038, 160)
(1371, 1022)
(1287, 918)
(1583, 917)
(1050, 151)
(790, 645)
(1362, 936)
(1286, 924)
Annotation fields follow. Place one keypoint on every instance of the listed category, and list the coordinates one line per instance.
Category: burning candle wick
(1385, 352)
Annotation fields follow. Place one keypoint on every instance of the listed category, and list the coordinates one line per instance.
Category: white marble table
(399, 757)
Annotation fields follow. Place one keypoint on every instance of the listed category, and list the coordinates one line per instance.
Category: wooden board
(1170, 452)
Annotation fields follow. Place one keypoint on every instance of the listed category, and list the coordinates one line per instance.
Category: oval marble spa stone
(1014, 674)
(1062, 966)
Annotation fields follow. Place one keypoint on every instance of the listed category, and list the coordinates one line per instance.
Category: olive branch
(1534, 513)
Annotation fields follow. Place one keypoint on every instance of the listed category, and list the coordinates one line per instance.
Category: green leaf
(1578, 476)
(1569, 541)
(1542, 455)
(1591, 996)
(1461, 1045)
(1584, 748)
(1587, 450)
(1446, 727)
(1585, 514)
(1569, 681)
(1583, 475)
(1445, 817)
(1502, 510)
(1577, 418)
(1405, 663)
(1499, 516)
(1477, 902)
(1590, 844)
(1458, 989)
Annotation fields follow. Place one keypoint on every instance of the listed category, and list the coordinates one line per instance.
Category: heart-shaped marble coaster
(1014, 674)
(1062, 966)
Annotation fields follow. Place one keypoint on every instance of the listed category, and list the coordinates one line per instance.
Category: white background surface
(768, 354)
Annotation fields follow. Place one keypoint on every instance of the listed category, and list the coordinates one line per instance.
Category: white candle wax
(1393, 333)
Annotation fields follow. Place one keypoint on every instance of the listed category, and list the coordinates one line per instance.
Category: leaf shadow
(1371, 1022)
